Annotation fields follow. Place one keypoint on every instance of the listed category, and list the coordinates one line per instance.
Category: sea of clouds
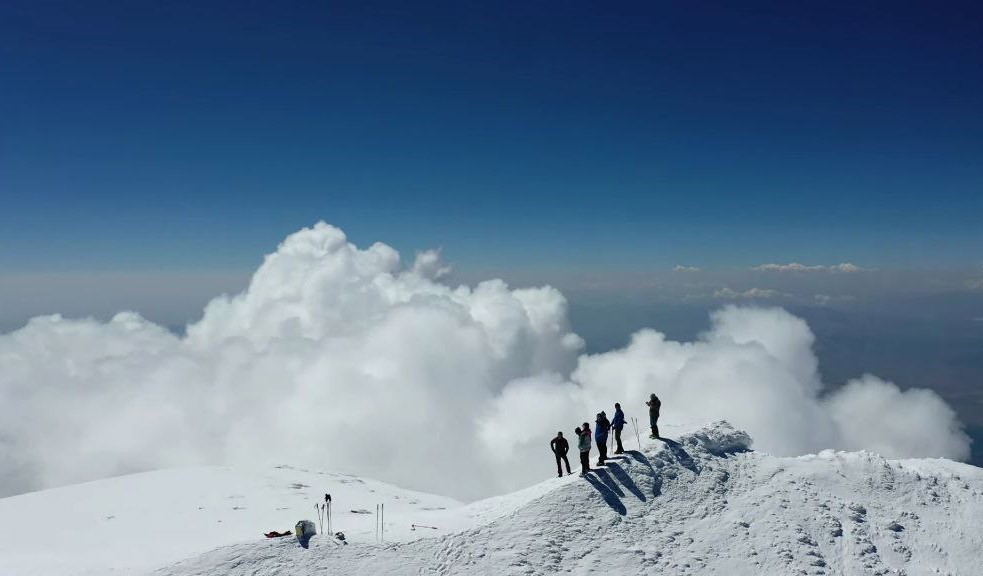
(347, 359)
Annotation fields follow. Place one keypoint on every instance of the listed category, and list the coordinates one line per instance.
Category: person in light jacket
(583, 435)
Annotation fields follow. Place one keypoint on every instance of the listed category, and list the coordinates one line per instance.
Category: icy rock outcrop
(718, 439)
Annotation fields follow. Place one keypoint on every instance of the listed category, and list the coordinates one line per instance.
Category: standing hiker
(618, 423)
(560, 447)
(601, 437)
(583, 442)
(654, 405)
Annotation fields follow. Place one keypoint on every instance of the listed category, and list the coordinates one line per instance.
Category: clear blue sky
(147, 135)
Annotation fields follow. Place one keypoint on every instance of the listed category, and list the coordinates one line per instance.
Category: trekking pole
(634, 424)
(383, 521)
(376, 522)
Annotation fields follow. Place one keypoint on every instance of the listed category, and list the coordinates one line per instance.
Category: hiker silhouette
(617, 423)
(601, 437)
(560, 447)
(654, 405)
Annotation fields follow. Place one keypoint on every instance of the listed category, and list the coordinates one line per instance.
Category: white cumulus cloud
(827, 299)
(681, 268)
(845, 267)
(749, 294)
(347, 359)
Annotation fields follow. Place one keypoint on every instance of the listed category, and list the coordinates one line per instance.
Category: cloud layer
(845, 267)
(750, 294)
(349, 359)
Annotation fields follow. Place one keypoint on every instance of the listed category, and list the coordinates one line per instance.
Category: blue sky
(146, 136)
(151, 152)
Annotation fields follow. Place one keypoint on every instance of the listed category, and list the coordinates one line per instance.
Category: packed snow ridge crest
(704, 503)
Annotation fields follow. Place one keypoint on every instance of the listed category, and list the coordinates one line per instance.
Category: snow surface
(702, 504)
(131, 524)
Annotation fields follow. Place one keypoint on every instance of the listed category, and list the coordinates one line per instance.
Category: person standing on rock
(654, 405)
(601, 437)
(617, 423)
(583, 443)
(560, 447)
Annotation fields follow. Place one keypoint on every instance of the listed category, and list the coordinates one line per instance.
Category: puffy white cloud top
(347, 359)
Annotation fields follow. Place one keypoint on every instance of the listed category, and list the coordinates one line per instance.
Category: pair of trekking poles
(634, 424)
(323, 513)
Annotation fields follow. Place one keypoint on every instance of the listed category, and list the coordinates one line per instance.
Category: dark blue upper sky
(621, 134)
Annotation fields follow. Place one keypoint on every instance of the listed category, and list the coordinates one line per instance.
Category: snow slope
(703, 504)
(131, 524)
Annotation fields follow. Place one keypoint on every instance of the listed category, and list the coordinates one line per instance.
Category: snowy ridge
(704, 504)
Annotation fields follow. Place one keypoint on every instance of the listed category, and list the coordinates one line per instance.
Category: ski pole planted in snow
(327, 510)
(634, 424)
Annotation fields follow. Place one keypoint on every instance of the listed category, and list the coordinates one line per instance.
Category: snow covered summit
(704, 503)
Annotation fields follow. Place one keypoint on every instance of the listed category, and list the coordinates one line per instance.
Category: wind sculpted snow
(346, 358)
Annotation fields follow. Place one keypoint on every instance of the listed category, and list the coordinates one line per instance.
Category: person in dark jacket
(583, 443)
(601, 437)
(560, 447)
(654, 405)
(617, 423)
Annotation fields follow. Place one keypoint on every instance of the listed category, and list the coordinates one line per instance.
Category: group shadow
(614, 483)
